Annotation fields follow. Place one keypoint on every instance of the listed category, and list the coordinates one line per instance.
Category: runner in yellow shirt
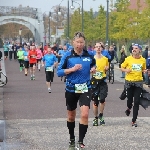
(134, 66)
(99, 85)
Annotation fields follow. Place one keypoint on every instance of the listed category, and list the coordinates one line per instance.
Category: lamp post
(68, 19)
(107, 22)
(72, 7)
(20, 31)
(68, 36)
(50, 16)
(49, 32)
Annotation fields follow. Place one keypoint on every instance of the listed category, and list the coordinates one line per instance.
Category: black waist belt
(128, 84)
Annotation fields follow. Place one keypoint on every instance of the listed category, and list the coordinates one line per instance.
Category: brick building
(133, 4)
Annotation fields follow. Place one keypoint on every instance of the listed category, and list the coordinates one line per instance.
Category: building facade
(134, 4)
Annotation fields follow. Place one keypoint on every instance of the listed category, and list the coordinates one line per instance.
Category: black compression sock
(71, 126)
(82, 132)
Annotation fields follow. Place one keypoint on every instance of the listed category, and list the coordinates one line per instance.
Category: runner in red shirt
(32, 61)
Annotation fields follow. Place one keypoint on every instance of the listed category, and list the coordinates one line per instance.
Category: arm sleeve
(93, 63)
(144, 65)
(62, 66)
(108, 56)
(107, 64)
(55, 59)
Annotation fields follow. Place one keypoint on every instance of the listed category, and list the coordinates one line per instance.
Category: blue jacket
(69, 60)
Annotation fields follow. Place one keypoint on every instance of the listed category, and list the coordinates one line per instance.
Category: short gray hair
(78, 35)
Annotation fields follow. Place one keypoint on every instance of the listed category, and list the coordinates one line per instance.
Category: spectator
(111, 52)
(145, 53)
(115, 52)
(122, 59)
(89, 48)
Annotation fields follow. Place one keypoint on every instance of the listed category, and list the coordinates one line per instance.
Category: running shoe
(134, 124)
(95, 122)
(80, 146)
(33, 77)
(72, 144)
(127, 112)
(49, 90)
(102, 122)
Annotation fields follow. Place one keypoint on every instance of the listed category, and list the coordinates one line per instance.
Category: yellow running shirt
(136, 66)
(101, 63)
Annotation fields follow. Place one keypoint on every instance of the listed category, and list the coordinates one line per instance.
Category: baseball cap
(139, 46)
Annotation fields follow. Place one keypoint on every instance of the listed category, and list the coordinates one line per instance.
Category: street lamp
(68, 11)
(20, 31)
(50, 16)
(107, 22)
(72, 7)
(49, 32)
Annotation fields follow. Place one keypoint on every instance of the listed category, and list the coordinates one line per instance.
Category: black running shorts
(49, 76)
(73, 98)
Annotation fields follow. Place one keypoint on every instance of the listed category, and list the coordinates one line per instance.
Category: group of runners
(78, 65)
(86, 79)
(31, 57)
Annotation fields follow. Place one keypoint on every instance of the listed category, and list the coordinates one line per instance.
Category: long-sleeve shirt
(69, 60)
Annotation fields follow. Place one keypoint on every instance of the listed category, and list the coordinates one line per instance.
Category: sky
(46, 5)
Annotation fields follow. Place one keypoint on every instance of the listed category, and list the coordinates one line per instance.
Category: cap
(139, 46)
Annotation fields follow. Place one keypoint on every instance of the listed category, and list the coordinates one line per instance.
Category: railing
(18, 11)
(3, 77)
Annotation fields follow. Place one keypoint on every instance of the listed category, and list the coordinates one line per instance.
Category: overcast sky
(46, 5)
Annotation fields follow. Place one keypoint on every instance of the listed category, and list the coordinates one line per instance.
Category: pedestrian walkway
(36, 119)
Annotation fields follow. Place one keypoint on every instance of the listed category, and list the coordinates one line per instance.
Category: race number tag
(81, 88)
(98, 75)
(136, 67)
(49, 69)
(33, 56)
(25, 57)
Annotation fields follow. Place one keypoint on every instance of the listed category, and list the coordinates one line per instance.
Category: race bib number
(136, 67)
(49, 69)
(33, 56)
(81, 88)
(25, 57)
(98, 75)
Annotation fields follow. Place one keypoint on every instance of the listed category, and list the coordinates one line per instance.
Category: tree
(75, 23)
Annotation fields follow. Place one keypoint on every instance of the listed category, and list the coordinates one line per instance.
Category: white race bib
(136, 67)
(49, 69)
(33, 56)
(81, 88)
(25, 57)
(98, 75)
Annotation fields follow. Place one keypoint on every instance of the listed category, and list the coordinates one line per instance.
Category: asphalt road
(36, 119)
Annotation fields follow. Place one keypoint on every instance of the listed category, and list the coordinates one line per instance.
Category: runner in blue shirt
(50, 62)
(77, 65)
